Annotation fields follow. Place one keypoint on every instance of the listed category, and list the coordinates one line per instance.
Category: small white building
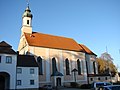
(27, 72)
(8, 60)
(17, 71)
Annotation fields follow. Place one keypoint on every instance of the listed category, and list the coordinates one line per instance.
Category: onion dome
(27, 13)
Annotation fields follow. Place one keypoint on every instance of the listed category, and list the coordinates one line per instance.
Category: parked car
(47, 87)
(96, 85)
(110, 87)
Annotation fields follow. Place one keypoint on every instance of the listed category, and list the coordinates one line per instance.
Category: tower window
(27, 21)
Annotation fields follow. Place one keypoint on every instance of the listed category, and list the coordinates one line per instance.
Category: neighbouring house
(8, 61)
(27, 72)
(17, 71)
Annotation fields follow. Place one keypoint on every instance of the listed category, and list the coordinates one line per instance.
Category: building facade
(56, 56)
(17, 71)
(8, 61)
(44, 59)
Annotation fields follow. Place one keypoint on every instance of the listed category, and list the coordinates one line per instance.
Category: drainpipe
(87, 69)
(16, 69)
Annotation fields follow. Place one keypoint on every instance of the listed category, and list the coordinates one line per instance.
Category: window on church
(98, 78)
(67, 67)
(94, 67)
(54, 67)
(79, 67)
(28, 22)
(91, 79)
(106, 78)
(8, 59)
(0, 59)
(39, 60)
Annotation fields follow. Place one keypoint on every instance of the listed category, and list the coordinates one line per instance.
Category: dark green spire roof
(27, 13)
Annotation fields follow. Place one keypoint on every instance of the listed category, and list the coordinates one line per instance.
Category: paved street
(64, 88)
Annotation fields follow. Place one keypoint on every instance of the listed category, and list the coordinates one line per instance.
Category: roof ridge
(52, 41)
(52, 35)
(4, 44)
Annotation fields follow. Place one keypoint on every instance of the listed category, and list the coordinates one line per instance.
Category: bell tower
(27, 21)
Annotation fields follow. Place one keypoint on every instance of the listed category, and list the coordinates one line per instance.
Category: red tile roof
(50, 41)
(87, 50)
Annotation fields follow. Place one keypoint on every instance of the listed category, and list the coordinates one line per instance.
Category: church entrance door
(58, 81)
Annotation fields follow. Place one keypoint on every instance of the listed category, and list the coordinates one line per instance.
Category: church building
(61, 60)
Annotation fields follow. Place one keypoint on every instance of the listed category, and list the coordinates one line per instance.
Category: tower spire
(27, 2)
(27, 20)
(106, 49)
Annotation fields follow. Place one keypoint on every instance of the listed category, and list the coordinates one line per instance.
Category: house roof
(4, 44)
(5, 48)
(26, 61)
(50, 41)
(87, 50)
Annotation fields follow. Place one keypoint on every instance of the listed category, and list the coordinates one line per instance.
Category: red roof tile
(86, 49)
(50, 41)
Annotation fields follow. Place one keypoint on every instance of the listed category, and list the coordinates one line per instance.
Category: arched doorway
(58, 81)
(4, 80)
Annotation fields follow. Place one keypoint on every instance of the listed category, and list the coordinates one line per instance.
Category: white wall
(60, 55)
(25, 78)
(90, 59)
(9, 68)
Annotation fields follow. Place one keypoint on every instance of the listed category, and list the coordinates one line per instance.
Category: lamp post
(74, 71)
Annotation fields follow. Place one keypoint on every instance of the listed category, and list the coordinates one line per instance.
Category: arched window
(54, 68)
(67, 67)
(94, 68)
(39, 60)
(28, 22)
(79, 67)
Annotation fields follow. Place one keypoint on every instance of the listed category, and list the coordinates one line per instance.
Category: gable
(5, 48)
(87, 50)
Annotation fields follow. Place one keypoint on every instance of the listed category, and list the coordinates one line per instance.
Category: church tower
(26, 28)
(27, 21)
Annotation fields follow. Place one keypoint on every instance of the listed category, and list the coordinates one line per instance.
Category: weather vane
(27, 2)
